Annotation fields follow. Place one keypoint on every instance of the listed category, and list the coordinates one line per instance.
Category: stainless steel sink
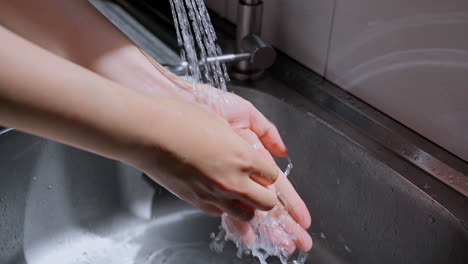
(59, 204)
(62, 205)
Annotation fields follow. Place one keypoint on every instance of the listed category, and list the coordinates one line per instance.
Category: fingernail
(284, 149)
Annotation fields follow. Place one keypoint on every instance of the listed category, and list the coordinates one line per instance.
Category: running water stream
(197, 41)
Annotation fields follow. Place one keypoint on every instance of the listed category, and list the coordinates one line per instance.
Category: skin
(126, 76)
(80, 108)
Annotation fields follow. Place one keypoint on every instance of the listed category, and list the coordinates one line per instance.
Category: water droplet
(322, 235)
(347, 249)
(49, 187)
(338, 181)
(34, 178)
(431, 219)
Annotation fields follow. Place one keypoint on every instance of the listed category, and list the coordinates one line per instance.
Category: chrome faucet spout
(181, 69)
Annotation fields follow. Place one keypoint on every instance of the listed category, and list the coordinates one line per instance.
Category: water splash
(288, 169)
(272, 239)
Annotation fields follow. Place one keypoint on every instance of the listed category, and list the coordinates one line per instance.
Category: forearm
(75, 30)
(48, 96)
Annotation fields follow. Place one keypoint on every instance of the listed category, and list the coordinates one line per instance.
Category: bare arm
(211, 167)
(75, 30)
(47, 96)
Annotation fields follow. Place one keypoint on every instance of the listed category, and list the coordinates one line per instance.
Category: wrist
(132, 68)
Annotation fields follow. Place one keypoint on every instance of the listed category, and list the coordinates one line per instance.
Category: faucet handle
(262, 54)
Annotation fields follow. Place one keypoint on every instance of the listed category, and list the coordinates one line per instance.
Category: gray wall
(407, 58)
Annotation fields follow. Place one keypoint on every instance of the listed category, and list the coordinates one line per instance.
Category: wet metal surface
(63, 205)
(407, 144)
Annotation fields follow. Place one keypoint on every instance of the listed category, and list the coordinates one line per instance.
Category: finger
(265, 171)
(292, 201)
(252, 138)
(211, 209)
(301, 238)
(280, 238)
(277, 235)
(243, 229)
(257, 196)
(267, 133)
(238, 209)
(205, 207)
(287, 194)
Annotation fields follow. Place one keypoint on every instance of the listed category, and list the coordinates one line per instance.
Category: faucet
(253, 55)
(249, 27)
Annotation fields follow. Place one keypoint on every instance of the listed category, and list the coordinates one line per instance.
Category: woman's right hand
(197, 156)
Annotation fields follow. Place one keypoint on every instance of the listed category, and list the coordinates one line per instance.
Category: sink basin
(62, 205)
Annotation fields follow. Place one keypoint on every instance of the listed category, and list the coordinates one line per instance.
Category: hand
(275, 227)
(246, 121)
(199, 158)
(190, 151)
(258, 131)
